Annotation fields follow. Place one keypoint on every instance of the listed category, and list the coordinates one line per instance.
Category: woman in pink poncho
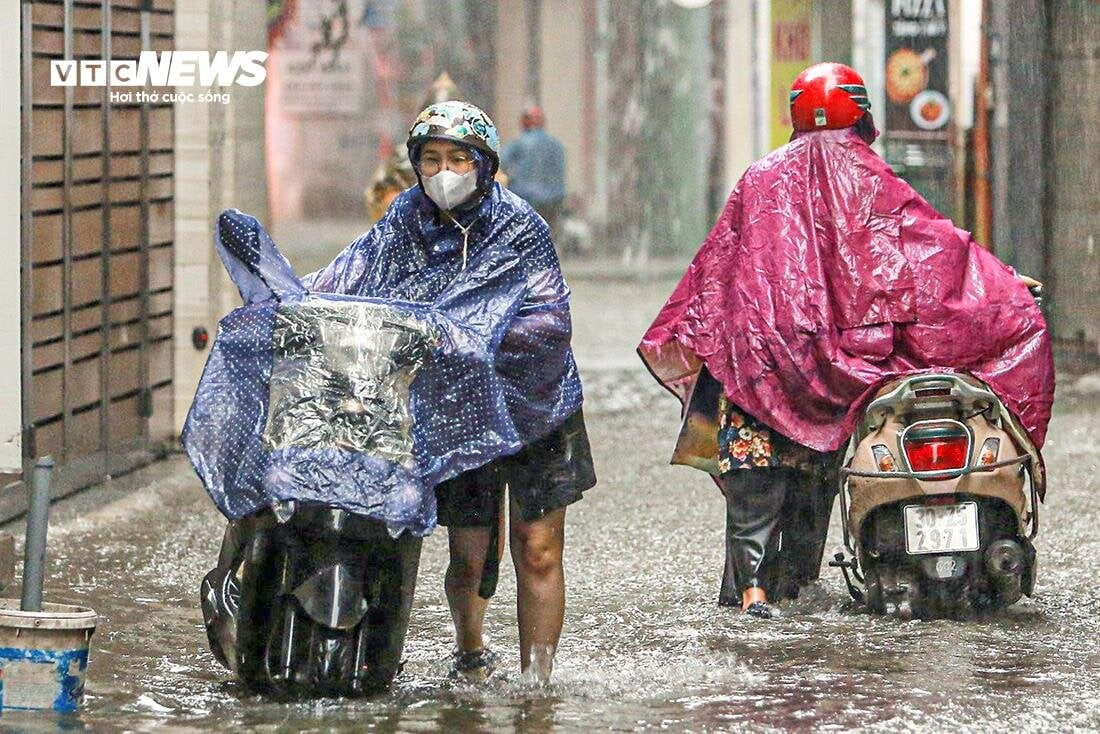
(824, 276)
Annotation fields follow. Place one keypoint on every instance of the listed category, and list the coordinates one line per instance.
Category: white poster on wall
(310, 87)
(318, 60)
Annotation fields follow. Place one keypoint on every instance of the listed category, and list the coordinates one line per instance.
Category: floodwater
(645, 645)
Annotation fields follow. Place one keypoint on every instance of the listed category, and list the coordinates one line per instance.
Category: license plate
(941, 528)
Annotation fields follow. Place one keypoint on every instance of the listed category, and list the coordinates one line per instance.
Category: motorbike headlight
(883, 458)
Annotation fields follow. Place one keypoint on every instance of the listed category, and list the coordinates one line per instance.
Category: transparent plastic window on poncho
(340, 377)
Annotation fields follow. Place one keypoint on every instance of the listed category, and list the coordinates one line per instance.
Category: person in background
(535, 164)
(394, 175)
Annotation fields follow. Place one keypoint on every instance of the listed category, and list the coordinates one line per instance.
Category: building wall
(345, 80)
(320, 160)
(833, 31)
(511, 66)
(219, 164)
(10, 174)
(1073, 178)
(564, 66)
(742, 145)
(868, 50)
(587, 75)
(564, 83)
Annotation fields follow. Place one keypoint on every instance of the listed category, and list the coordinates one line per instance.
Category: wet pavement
(645, 645)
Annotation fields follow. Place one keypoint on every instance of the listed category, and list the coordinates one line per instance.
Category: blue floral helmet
(459, 122)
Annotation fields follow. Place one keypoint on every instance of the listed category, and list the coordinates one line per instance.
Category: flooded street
(645, 646)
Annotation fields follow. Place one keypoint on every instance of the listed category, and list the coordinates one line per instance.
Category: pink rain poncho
(825, 275)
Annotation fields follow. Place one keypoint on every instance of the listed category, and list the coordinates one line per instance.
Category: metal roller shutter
(97, 245)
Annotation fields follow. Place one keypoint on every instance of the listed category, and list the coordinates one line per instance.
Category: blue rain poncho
(364, 385)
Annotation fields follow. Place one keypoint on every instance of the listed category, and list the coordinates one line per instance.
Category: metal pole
(1025, 96)
(34, 552)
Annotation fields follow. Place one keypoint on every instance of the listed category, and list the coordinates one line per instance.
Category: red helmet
(828, 97)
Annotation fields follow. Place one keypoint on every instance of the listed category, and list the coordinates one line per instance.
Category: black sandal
(474, 666)
(762, 609)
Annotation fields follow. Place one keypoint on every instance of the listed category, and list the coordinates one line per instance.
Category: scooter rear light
(937, 447)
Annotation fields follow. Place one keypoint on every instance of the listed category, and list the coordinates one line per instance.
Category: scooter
(309, 600)
(940, 500)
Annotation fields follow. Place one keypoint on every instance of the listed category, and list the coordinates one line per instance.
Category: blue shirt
(535, 164)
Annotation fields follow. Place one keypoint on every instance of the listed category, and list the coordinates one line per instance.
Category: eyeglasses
(431, 163)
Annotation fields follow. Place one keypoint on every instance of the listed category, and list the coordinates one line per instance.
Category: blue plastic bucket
(43, 656)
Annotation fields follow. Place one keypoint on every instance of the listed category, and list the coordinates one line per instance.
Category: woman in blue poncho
(458, 238)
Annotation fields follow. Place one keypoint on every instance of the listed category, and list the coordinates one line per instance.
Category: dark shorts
(543, 476)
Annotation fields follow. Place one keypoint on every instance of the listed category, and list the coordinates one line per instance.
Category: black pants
(776, 523)
(543, 476)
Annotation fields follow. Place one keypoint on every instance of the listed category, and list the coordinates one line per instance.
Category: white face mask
(449, 189)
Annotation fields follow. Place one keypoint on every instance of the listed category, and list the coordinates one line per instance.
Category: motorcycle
(320, 426)
(310, 600)
(939, 500)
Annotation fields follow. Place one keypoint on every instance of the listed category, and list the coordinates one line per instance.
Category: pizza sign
(916, 68)
(918, 112)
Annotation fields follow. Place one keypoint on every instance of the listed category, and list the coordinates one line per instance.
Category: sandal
(762, 609)
(474, 666)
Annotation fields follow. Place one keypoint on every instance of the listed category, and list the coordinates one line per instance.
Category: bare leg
(752, 595)
(468, 547)
(540, 598)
